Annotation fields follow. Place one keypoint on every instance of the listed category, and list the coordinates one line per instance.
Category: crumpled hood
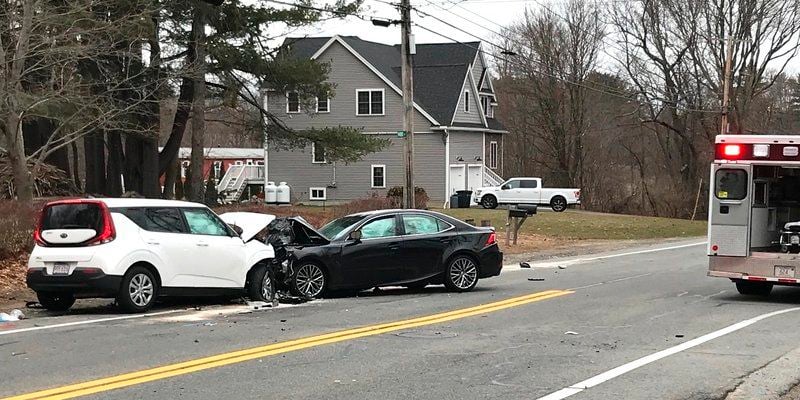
(251, 223)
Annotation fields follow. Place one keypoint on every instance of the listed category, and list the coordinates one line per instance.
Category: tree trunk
(94, 148)
(198, 106)
(23, 181)
(114, 166)
(75, 166)
(170, 180)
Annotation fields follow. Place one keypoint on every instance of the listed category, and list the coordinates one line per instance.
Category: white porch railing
(235, 181)
(490, 178)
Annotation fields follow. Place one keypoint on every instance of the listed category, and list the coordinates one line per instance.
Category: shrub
(17, 222)
(316, 218)
(395, 196)
(373, 202)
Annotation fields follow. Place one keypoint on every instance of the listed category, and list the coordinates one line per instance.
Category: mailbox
(522, 210)
(516, 217)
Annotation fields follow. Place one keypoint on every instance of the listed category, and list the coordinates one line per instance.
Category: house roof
(439, 68)
(232, 153)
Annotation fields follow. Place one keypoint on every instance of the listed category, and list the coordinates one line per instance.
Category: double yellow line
(187, 367)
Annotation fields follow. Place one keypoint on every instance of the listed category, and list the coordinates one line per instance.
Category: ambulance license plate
(782, 271)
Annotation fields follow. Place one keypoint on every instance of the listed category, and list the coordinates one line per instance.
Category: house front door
(457, 178)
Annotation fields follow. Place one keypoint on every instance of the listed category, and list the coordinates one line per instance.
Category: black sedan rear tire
(461, 274)
(56, 302)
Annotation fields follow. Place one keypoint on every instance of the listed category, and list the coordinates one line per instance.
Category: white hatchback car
(136, 250)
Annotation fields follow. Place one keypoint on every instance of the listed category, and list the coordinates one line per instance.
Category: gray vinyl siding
(348, 74)
(474, 114)
(353, 181)
(477, 69)
(499, 139)
(466, 145)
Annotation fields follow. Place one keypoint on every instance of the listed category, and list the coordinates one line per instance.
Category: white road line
(623, 369)
(87, 322)
(571, 261)
(612, 281)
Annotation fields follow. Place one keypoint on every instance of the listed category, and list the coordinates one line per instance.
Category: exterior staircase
(490, 178)
(237, 177)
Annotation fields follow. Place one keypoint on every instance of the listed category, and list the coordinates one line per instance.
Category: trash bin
(464, 198)
(454, 201)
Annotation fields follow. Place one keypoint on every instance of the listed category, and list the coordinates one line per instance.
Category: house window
(217, 170)
(292, 102)
(317, 193)
(369, 102)
(323, 103)
(378, 176)
(466, 101)
(492, 157)
(318, 154)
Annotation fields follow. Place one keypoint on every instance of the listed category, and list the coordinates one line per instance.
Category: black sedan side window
(379, 228)
(421, 225)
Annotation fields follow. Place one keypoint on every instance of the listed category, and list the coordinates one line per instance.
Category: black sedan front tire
(309, 281)
(461, 274)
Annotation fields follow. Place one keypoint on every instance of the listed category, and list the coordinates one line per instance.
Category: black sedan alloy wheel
(309, 281)
(461, 274)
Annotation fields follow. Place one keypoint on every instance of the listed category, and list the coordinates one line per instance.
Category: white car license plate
(60, 269)
(782, 271)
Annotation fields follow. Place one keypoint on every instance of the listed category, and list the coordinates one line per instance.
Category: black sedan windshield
(334, 229)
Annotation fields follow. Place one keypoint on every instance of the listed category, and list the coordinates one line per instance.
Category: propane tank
(271, 193)
(283, 195)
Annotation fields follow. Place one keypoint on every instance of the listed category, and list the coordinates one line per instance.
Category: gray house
(458, 142)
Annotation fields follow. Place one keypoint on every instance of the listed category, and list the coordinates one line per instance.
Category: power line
(499, 47)
(517, 62)
(326, 10)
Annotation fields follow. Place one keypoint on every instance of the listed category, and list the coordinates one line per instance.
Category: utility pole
(726, 82)
(408, 102)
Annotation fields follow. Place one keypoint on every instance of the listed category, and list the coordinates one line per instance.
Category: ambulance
(754, 212)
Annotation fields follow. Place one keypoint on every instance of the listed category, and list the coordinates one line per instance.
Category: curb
(771, 381)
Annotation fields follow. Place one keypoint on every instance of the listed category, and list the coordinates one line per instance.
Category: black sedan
(411, 248)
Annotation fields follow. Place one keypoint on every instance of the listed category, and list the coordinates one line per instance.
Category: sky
(481, 19)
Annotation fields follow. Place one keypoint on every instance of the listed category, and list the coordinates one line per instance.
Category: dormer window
(466, 101)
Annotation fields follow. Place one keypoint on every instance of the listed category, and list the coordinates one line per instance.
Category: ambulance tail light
(732, 151)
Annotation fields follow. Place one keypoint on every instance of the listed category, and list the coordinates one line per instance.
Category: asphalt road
(621, 311)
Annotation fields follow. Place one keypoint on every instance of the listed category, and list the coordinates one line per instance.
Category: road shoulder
(778, 380)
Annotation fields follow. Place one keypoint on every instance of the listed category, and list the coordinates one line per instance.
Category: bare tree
(44, 49)
(549, 85)
(673, 54)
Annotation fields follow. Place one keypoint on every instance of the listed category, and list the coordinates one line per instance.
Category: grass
(588, 225)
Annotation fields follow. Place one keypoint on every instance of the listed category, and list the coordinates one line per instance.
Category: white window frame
(466, 101)
(490, 114)
(383, 102)
(311, 196)
(314, 155)
(288, 111)
(372, 175)
(328, 102)
(493, 154)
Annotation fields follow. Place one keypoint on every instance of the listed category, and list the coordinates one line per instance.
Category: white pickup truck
(526, 191)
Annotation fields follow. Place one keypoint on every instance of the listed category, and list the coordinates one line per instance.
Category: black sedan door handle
(394, 246)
